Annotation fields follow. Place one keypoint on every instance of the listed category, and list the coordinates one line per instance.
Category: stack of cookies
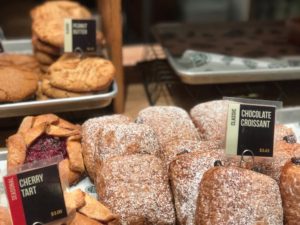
(19, 76)
(71, 76)
(48, 28)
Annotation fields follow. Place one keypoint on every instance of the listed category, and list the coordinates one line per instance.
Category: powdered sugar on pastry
(170, 123)
(136, 187)
(126, 139)
(236, 196)
(90, 129)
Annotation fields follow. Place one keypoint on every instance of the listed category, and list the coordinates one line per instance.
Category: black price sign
(35, 196)
(80, 36)
(250, 127)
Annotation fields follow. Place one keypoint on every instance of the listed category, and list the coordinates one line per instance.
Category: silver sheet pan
(194, 75)
(34, 107)
(58, 105)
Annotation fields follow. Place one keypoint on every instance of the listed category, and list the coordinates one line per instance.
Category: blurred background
(140, 15)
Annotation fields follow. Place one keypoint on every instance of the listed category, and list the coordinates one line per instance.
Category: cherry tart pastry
(43, 137)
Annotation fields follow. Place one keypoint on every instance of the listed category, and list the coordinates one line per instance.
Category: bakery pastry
(44, 47)
(136, 188)
(17, 84)
(43, 137)
(169, 122)
(126, 139)
(48, 20)
(284, 133)
(80, 219)
(290, 191)
(283, 152)
(53, 92)
(4, 216)
(232, 195)
(44, 58)
(96, 210)
(210, 119)
(21, 61)
(87, 209)
(44, 68)
(185, 173)
(90, 130)
(81, 75)
(174, 148)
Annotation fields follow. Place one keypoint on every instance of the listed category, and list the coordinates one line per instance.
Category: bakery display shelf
(33, 107)
(289, 116)
(229, 53)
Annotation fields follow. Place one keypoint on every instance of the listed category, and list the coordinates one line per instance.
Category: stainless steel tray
(58, 105)
(264, 43)
(94, 101)
(196, 75)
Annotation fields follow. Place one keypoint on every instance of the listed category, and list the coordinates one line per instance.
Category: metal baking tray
(33, 107)
(58, 105)
(191, 49)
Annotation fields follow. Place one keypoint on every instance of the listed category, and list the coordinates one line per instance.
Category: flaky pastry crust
(32, 128)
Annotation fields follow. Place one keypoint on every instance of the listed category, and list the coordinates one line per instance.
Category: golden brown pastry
(48, 20)
(136, 188)
(96, 210)
(43, 137)
(80, 219)
(21, 61)
(44, 47)
(54, 92)
(81, 75)
(210, 119)
(283, 152)
(44, 58)
(90, 130)
(174, 148)
(90, 210)
(232, 195)
(290, 191)
(17, 84)
(169, 123)
(4, 216)
(126, 139)
(185, 174)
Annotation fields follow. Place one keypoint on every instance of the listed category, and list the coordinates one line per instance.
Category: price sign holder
(80, 36)
(250, 126)
(35, 194)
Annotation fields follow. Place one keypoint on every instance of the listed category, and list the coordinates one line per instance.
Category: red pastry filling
(45, 147)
